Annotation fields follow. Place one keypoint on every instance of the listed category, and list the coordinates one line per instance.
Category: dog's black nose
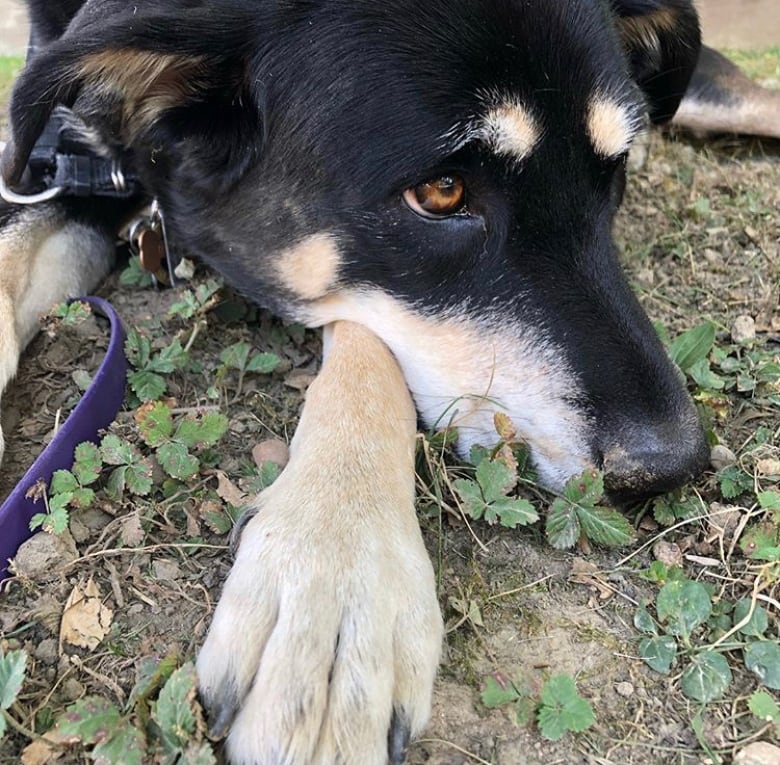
(652, 459)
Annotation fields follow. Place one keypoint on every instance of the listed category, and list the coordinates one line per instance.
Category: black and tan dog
(441, 176)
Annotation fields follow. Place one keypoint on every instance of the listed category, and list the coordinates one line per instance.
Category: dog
(435, 185)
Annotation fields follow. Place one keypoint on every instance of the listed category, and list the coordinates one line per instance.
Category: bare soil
(701, 238)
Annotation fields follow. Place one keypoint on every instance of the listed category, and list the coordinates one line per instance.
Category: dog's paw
(325, 643)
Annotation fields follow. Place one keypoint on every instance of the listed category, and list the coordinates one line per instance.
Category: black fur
(303, 117)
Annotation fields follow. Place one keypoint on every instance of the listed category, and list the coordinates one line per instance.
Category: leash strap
(96, 410)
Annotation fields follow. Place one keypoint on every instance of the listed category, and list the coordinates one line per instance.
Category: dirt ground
(701, 239)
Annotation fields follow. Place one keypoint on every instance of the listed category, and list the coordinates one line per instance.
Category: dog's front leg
(325, 642)
(48, 253)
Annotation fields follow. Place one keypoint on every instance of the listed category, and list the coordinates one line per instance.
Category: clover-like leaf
(563, 709)
(683, 606)
(155, 423)
(763, 660)
(658, 653)
(263, 363)
(88, 464)
(511, 513)
(174, 709)
(499, 692)
(759, 620)
(706, 677)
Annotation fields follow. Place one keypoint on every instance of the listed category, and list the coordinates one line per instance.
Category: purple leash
(96, 410)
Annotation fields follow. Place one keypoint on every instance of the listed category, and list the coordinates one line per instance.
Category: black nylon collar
(61, 166)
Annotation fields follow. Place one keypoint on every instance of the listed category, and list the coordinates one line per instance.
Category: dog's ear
(662, 41)
(146, 75)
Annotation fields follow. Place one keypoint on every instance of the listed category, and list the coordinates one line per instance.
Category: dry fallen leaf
(299, 380)
(768, 466)
(228, 491)
(85, 620)
(132, 534)
(40, 752)
(587, 573)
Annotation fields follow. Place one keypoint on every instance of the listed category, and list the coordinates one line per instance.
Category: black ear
(662, 40)
(148, 76)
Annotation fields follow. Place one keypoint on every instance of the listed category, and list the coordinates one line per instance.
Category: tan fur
(643, 30)
(44, 259)
(447, 360)
(310, 268)
(329, 618)
(147, 83)
(511, 129)
(752, 112)
(611, 126)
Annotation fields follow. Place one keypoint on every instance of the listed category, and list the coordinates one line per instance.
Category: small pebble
(668, 553)
(72, 689)
(758, 753)
(44, 555)
(743, 329)
(166, 569)
(722, 457)
(46, 651)
(272, 450)
(625, 689)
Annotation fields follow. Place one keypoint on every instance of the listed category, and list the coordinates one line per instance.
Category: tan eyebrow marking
(611, 126)
(511, 129)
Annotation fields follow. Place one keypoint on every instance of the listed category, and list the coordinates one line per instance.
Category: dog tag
(151, 251)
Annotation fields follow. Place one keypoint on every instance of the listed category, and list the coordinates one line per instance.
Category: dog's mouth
(461, 374)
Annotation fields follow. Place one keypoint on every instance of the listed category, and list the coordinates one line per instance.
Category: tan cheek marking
(511, 129)
(610, 127)
(310, 268)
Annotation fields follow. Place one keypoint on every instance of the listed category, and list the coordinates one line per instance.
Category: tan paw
(325, 643)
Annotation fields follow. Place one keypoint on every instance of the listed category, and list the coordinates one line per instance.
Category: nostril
(654, 460)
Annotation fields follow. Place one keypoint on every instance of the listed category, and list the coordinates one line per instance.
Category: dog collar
(60, 167)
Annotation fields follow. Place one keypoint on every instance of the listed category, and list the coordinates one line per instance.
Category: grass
(10, 66)
(762, 64)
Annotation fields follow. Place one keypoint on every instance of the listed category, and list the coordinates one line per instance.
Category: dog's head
(446, 174)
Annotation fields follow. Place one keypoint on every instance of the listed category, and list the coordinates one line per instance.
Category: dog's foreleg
(721, 99)
(326, 639)
(46, 256)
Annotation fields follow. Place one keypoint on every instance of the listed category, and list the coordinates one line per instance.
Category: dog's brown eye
(437, 198)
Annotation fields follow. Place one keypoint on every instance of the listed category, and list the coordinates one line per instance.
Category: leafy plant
(559, 709)
(563, 709)
(146, 379)
(114, 737)
(500, 691)
(70, 489)
(683, 608)
(487, 496)
(763, 706)
(196, 301)
(131, 470)
(175, 442)
(577, 513)
(12, 668)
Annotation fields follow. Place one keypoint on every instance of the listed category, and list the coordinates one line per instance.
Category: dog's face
(445, 174)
